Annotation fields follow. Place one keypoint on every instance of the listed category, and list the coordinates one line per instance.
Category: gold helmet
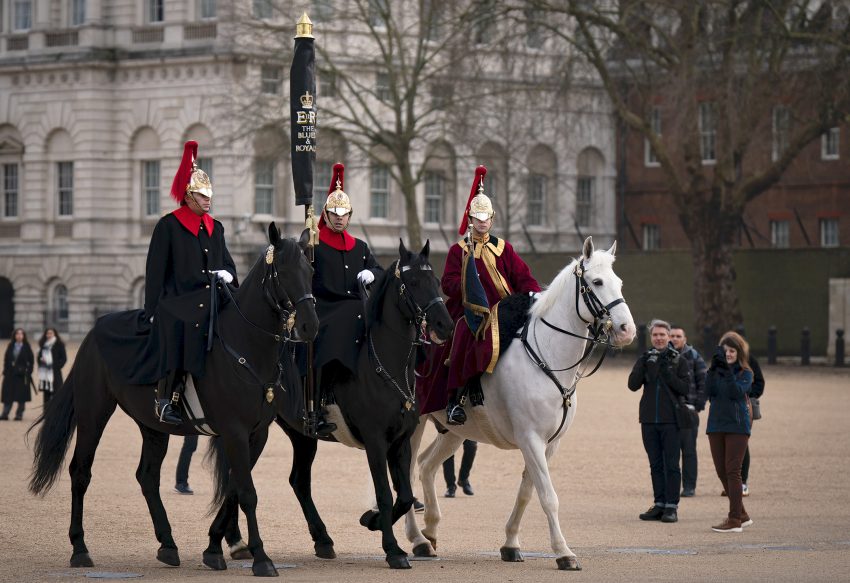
(481, 207)
(338, 202)
(199, 182)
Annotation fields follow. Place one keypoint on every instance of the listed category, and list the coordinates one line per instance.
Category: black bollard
(741, 330)
(806, 347)
(771, 345)
(641, 338)
(709, 340)
(839, 347)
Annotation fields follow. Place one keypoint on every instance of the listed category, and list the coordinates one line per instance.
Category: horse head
(422, 289)
(602, 292)
(292, 275)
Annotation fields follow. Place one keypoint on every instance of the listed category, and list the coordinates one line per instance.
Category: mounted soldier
(171, 336)
(473, 288)
(341, 263)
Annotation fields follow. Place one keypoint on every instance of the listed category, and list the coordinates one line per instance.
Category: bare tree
(741, 86)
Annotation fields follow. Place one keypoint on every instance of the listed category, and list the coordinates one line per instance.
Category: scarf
(45, 366)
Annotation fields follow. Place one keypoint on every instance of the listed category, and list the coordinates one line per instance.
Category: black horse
(237, 393)
(378, 404)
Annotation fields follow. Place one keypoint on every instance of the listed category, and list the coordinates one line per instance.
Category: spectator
(469, 449)
(662, 373)
(51, 358)
(728, 382)
(696, 397)
(17, 375)
(190, 444)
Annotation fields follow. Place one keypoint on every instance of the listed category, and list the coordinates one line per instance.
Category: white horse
(525, 408)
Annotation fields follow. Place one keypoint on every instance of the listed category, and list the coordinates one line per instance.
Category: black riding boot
(323, 428)
(455, 415)
(168, 409)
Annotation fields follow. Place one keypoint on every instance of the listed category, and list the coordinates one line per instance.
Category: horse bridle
(602, 324)
(286, 319)
(419, 316)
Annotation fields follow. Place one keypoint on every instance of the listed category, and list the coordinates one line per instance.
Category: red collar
(339, 241)
(192, 222)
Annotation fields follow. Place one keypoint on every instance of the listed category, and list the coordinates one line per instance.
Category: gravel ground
(800, 451)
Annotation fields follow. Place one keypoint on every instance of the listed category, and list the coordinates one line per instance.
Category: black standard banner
(302, 91)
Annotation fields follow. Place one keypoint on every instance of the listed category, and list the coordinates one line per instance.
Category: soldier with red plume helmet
(341, 263)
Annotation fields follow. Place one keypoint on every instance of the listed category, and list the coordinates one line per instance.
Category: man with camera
(663, 375)
(696, 398)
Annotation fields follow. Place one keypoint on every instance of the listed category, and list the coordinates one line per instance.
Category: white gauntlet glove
(223, 275)
(534, 295)
(365, 277)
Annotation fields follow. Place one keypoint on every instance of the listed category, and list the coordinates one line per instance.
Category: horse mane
(375, 304)
(563, 284)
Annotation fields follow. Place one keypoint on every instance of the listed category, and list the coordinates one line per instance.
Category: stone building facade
(98, 96)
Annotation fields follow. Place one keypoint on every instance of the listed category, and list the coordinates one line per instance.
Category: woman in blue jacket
(728, 381)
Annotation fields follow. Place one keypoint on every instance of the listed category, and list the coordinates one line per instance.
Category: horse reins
(601, 325)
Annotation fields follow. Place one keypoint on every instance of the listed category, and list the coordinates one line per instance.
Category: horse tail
(58, 422)
(221, 472)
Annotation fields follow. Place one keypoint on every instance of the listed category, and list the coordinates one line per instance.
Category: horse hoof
(325, 550)
(512, 555)
(239, 551)
(215, 561)
(370, 520)
(264, 569)
(168, 556)
(568, 564)
(398, 562)
(81, 560)
(423, 550)
(433, 541)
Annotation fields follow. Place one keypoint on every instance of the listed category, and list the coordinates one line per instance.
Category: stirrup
(167, 412)
(455, 415)
(325, 428)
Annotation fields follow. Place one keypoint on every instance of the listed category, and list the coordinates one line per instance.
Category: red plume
(480, 172)
(184, 171)
(339, 171)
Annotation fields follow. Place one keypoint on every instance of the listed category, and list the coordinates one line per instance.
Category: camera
(652, 355)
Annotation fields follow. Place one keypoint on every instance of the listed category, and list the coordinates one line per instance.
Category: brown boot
(728, 525)
(745, 519)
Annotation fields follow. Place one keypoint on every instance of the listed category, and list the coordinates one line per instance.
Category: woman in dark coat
(51, 358)
(17, 371)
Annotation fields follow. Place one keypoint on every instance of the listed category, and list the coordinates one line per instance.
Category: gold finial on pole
(304, 27)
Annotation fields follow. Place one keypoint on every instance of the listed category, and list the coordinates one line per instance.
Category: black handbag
(686, 416)
(754, 401)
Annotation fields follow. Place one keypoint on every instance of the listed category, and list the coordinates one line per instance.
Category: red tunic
(467, 356)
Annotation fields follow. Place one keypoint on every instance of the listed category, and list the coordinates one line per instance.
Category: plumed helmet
(478, 206)
(189, 177)
(338, 202)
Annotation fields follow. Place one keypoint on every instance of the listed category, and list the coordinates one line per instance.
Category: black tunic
(338, 302)
(16, 374)
(177, 295)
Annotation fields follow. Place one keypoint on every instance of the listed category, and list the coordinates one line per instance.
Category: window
(78, 12)
(584, 200)
(379, 200)
(430, 20)
(435, 187)
(442, 95)
(155, 10)
(207, 8)
(206, 164)
(10, 190)
(779, 236)
(707, 132)
(382, 86)
(829, 144)
(65, 183)
(781, 129)
(533, 30)
(264, 186)
(327, 84)
(321, 181)
(536, 199)
(649, 156)
(270, 78)
(323, 10)
(829, 233)
(150, 187)
(262, 9)
(59, 305)
(22, 14)
(651, 237)
(378, 13)
(483, 22)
